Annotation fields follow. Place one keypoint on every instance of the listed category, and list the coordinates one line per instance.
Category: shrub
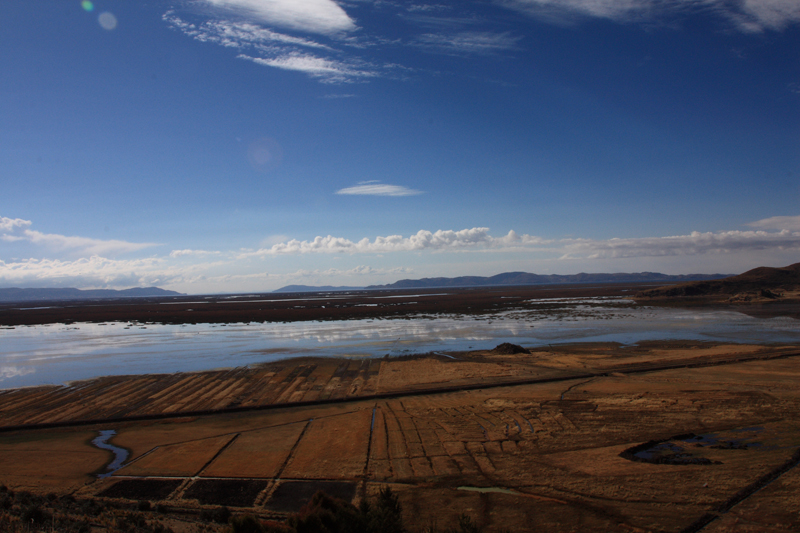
(386, 515)
(466, 525)
(325, 514)
(34, 515)
(246, 524)
(220, 515)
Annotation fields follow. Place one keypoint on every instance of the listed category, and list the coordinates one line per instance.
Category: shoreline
(288, 307)
(309, 381)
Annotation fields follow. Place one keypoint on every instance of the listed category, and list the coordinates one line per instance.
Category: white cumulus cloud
(440, 240)
(479, 239)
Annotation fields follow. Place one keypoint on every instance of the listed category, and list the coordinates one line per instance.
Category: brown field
(328, 449)
(326, 379)
(61, 460)
(260, 453)
(467, 435)
(172, 460)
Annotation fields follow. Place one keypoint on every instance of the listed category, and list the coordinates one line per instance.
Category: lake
(58, 353)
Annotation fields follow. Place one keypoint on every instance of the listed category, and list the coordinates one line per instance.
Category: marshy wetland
(579, 433)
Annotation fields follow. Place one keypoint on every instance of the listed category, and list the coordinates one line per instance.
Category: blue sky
(243, 145)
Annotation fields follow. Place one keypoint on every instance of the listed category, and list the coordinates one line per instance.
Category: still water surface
(58, 353)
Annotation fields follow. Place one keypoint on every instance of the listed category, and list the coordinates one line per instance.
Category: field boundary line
(644, 369)
(743, 494)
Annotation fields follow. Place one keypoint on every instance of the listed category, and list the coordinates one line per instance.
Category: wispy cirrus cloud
(17, 229)
(334, 96)
(313, 16)
(791, 223)
(361, 270)
(472, 42)
(328, 70)
(238, 34)
(320, 39)
(103, 272)
(695, 243)
(189, 252)
(275, 49)
(747, 15)
(376, 188)
(94, 271)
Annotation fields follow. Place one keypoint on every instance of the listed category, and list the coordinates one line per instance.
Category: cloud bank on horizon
(200, 270)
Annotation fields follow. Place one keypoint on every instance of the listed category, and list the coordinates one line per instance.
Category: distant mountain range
(524, 278)
(516, 278)
(30, 295)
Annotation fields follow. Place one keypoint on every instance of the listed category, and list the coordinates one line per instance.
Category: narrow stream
(120, 454)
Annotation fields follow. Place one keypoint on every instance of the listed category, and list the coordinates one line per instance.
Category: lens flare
(87, 5)
(264, 154)
(107, 21)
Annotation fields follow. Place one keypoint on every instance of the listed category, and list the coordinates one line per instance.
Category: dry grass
(257, 454)
(554, 446)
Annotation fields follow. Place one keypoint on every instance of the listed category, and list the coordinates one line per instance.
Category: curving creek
(58, 353)
(120, 454)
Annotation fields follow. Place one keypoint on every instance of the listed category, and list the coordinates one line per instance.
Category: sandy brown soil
(546, 455)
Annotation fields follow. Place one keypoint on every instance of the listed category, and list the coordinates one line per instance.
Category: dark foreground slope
(765, 283)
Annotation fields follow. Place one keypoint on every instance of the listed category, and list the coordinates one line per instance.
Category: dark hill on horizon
(513, 279)
(43, 294)
(760, 281)
(524, 278)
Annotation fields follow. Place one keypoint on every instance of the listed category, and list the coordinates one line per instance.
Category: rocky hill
(762, 283)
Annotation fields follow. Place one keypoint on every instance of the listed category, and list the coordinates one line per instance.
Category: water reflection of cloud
(79, 351)
(14, 371)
